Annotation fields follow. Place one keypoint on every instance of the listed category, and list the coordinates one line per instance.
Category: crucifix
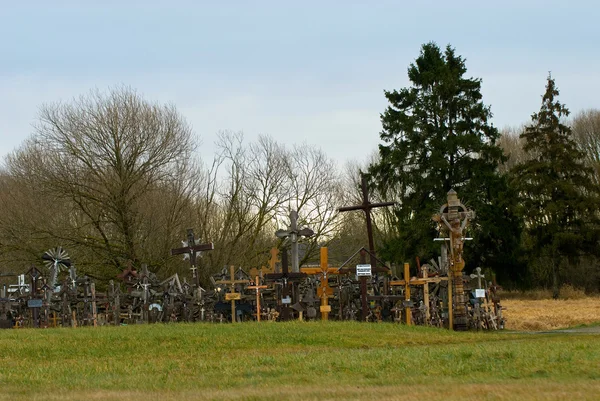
(324, 291)
(190, 248)
(293, 233)
(232, 295)
(258, 288)
(452, 220)
(286, 279)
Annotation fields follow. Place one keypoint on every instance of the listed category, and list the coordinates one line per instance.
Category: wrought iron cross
(191, 249)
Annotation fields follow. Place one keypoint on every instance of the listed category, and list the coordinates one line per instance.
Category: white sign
(363, 270)
(479, 293)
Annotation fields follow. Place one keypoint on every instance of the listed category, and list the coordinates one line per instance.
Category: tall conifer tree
(557, 197)
(437, 135)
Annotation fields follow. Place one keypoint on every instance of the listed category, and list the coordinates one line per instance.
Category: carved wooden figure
(452, 220)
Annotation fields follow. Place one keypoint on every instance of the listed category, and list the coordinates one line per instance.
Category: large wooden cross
(190, 248)
(232, 295)
(286, 279)
(366, 207)
(324, 291)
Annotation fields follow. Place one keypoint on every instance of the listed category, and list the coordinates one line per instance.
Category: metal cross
(190, 248)
(293, 233)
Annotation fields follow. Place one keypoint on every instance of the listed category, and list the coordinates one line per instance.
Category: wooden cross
(366, 206)
(257, 287)
(286, 278)
(272, 263)
(424, 280)
(324, 291)
(293, 233)
(232, 295)
(190, 248)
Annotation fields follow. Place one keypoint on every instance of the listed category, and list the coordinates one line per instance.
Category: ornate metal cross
(190, 248)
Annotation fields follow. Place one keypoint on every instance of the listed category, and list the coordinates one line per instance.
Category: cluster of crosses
(440, 294)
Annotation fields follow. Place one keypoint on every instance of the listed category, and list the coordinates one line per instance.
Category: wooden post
(325, 308)
(407, 293)
(94, 313)
(450, 303)
(425, 275)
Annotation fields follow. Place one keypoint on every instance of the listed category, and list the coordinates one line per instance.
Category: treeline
(534, 188)
(117, 180)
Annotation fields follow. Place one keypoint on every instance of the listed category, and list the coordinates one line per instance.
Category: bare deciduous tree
(586, 132)
(104, 156)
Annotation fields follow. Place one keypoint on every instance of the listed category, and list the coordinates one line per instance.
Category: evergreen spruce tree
(437, 136)
(557, 197)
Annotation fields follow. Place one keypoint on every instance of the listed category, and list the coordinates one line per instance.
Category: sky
(301, 72)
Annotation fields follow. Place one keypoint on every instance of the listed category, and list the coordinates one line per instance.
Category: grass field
(320, 360)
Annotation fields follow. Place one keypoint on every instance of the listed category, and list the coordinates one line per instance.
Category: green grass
(324, 360)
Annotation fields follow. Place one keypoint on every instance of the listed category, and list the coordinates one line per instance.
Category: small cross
(258, 288)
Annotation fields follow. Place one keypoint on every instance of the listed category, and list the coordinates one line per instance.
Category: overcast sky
(299, 71)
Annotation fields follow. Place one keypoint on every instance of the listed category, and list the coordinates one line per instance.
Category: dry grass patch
(550, 314)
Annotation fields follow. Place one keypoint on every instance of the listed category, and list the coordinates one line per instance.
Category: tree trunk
(555, 279)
